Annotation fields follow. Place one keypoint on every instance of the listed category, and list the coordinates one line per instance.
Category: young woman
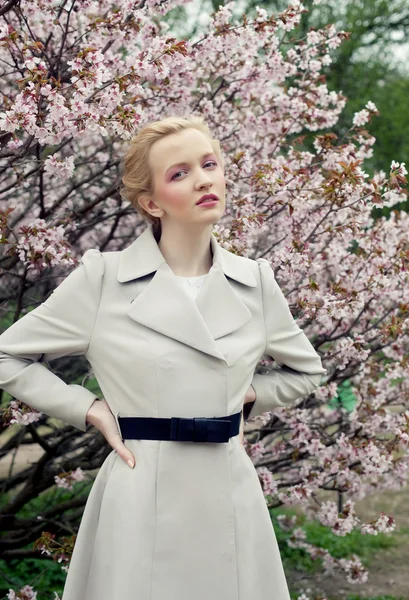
(174, 326)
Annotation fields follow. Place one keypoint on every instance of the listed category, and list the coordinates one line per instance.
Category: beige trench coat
(190, 521)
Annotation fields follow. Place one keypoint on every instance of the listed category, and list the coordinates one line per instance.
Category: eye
(209, 162)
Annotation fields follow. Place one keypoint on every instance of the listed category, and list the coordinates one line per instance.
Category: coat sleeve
(300, 369)
(60, 326)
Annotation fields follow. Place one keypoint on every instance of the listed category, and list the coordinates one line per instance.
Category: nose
(204, 181)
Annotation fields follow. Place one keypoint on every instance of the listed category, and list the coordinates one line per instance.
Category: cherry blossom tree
(78, 78)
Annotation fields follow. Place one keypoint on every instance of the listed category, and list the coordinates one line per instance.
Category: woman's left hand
(250, 397)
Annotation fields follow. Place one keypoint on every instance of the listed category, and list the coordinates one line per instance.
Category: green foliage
(345, 398)
(365, 67)
(354, 597)
(339, 546)
(7, 319)
(93, 386)
(44, 574)
(388, 89)
(295, 595)
(352, 543)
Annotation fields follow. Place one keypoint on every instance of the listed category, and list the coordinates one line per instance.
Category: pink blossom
(354, 570)
(341, 524)
(314, 37)
(41, 246)
(315, 65)
(60, 168)
(67, 480)
(395, 166)
(25, 593)
(361, 118)
(23, 417)
(256, 450)
(14, 143)
(34, 62)
(268, 483)
(371, 106)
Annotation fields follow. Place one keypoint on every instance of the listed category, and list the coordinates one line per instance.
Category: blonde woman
(173, 326)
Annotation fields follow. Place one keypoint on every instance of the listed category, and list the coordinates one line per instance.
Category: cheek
(174, 196)
(220, 181)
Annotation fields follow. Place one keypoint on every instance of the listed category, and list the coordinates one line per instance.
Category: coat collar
(143, 256)
(164, 306)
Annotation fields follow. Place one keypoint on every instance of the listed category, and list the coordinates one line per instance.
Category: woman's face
(184, 168)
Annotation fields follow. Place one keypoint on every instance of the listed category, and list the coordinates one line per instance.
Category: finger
(117, 444)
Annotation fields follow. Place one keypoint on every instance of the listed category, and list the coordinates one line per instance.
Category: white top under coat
(192, 284)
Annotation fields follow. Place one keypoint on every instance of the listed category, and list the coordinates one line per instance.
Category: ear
(146, 202)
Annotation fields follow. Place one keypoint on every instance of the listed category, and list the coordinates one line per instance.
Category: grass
(339, 546)
(375, 598)
(366, 547)
(354, 597)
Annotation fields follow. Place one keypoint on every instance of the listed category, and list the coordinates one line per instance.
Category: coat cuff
(81, 401)
(280, 387)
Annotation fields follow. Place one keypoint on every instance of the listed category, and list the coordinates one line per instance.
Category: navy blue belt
(179, 429)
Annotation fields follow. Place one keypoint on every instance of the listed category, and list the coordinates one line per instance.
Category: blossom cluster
(67, 480)
(17, 412)
(352, 567)
(41, 246)
(27, 592)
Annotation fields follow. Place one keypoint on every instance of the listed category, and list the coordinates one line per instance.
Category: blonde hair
(136, 177)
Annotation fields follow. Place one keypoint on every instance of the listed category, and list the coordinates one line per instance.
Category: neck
(187, 251)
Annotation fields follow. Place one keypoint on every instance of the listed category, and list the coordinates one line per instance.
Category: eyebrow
(186, 162)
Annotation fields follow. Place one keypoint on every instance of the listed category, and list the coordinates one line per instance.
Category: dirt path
(25, 456)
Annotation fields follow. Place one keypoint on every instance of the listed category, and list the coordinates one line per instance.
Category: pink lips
(208, 200)
(208, 203)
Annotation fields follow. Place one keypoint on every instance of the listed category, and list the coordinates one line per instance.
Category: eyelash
(206, 163)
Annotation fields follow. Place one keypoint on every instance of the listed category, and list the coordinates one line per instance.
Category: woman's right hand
(100, 416)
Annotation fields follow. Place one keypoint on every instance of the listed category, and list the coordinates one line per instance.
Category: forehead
(180, 146)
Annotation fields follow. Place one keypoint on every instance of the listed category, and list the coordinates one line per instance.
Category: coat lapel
(163, 305)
